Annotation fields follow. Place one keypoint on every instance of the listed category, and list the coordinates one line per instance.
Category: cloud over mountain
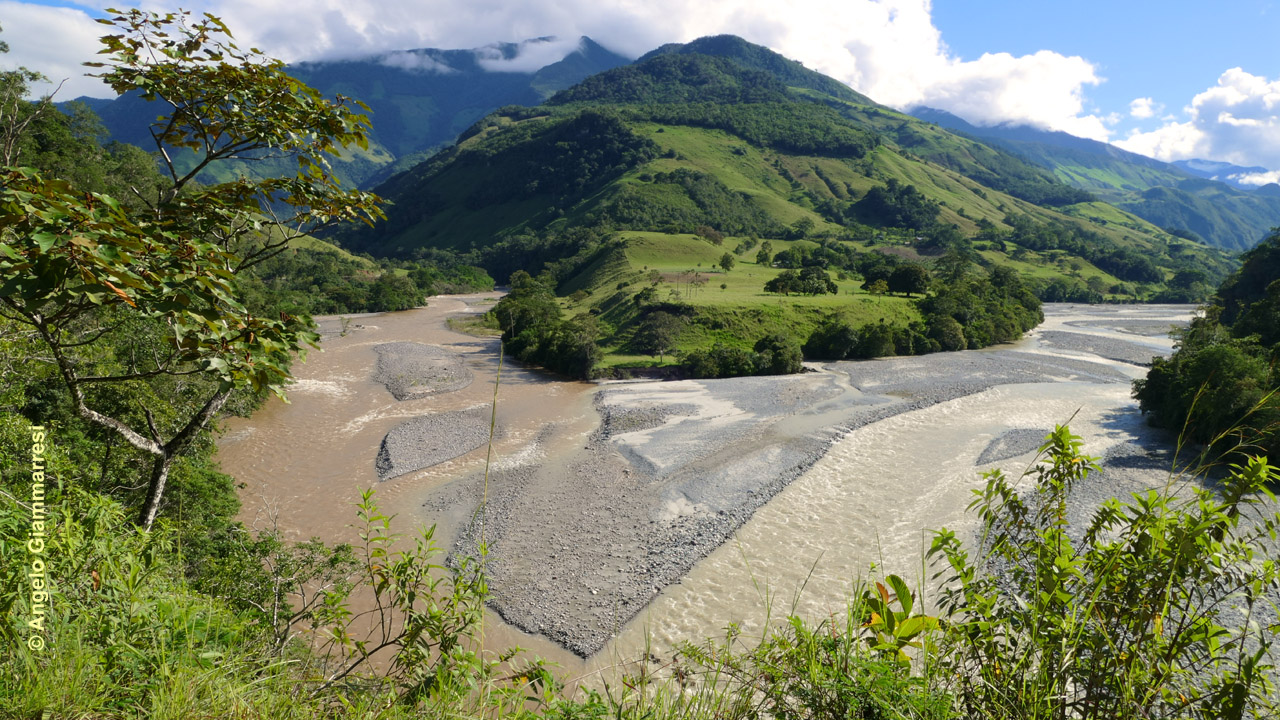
(889, 50)
(1236, 121)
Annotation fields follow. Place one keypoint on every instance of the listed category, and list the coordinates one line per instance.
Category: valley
(771, 413)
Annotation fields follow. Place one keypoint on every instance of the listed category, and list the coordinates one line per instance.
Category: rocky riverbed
(579, 546)
(412, 370)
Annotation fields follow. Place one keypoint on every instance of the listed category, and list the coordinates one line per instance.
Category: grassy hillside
(644, 176)
(726, 307)
(1166, 195)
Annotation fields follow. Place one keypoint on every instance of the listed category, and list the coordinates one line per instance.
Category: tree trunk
(155, 491)
(169, 452)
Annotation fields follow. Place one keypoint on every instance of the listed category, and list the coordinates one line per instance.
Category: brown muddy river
(629, 516)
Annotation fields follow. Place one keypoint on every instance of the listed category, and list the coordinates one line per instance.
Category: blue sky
(1168, 51)
(1174, 79)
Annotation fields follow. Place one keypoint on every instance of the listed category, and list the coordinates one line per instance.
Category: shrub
(1128, 621)
(778, 355)
(720, 361)
(833, 340)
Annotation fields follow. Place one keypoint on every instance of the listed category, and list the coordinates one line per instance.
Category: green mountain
(1177, 197)
(639, 180)
(419, 100)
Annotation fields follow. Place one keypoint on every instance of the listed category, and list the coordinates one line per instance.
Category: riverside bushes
(318, 282)
(533, 331)
(774, 354)
(968, 311)
(1219, 386)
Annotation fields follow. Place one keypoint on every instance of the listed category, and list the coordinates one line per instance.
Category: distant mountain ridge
(1181, 196)
(1221, 171)
(419, 100)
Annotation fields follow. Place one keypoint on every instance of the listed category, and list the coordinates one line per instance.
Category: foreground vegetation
(1138, 617)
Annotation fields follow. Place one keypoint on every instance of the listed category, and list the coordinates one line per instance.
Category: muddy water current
(630, 516)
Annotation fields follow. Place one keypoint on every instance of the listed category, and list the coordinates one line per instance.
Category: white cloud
(1144, 107)
(53, 41)
(1044, 89)
(1236, 121)
(530, 55)
(415, 62)
(1257, 178)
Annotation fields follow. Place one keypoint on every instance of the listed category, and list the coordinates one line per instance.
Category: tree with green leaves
(815, 281)
(16, 114)
(909, 279)
(785, 282)
(777, 354)
(727, 261)
(659, 332)
(138, 300)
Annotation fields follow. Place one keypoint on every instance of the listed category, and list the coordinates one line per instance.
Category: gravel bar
(1110, 348)
(431, 439)
(1011, 444)
(580, 543)
(412, 370)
